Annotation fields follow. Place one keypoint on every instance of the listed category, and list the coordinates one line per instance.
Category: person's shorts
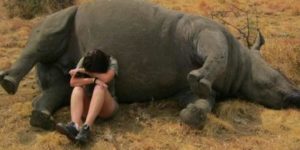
(115, 111)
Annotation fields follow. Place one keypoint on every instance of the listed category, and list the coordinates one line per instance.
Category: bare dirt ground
(234, 124)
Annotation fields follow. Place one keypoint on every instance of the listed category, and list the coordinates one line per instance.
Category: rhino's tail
(259, 42)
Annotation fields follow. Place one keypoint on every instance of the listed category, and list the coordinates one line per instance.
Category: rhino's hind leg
(55, 94)
(10, 79)
(47, 42)
(9, 84)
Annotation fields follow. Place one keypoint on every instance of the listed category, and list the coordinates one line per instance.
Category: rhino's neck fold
(237, 72)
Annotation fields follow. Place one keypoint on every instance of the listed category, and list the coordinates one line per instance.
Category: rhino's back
(139, 35)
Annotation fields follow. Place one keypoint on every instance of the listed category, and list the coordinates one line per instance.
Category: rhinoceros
(161, 53)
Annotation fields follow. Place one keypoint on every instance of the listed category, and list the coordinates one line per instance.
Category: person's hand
(101, 83)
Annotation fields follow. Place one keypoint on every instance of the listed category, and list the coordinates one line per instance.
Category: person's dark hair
(96, 61)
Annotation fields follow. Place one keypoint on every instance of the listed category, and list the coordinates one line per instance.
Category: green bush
(28, 9)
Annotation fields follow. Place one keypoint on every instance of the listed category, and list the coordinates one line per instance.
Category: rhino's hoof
(9, 84)
(193, 116)
(2, 74)
(42, 120)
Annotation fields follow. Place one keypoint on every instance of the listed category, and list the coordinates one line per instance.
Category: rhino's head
(269, 86)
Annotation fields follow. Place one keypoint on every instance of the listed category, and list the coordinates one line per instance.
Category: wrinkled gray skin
(161, 54)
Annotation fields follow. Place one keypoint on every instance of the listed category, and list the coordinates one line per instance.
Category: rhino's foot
(9, 84)
(193, 116)
(3, 74)
(42, 120)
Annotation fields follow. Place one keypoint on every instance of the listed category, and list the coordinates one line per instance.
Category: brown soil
(233, 124)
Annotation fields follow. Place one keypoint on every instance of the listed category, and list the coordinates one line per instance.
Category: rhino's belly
(141, 42)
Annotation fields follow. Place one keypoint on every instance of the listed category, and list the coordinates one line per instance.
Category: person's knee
(109, 111)
(78, 89)
(100, 88)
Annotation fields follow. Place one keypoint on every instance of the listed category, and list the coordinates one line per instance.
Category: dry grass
(232, 125)
(28, 9)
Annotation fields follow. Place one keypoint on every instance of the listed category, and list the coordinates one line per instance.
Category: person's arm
(79, 81)
(110, 74)
(105, 77)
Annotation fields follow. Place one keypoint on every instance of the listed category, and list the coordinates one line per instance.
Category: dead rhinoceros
(161, 53)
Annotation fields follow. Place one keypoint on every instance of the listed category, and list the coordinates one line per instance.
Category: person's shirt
(113, 64)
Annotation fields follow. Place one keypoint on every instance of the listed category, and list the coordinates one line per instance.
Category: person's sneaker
(69, 130)
(84, 134)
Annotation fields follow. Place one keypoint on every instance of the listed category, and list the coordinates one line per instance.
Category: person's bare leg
(96, 104)
(77, 98)
(109, 106)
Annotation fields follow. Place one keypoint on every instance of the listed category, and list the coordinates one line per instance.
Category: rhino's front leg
(199, 84)
(211, 46)
(195, 113)
(46, 104)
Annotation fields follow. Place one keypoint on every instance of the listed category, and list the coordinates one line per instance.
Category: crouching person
(93, 94)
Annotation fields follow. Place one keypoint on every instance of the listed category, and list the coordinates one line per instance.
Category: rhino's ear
(259, 42)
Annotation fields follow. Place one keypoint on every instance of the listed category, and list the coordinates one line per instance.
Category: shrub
(28, 9)
(246, 19)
